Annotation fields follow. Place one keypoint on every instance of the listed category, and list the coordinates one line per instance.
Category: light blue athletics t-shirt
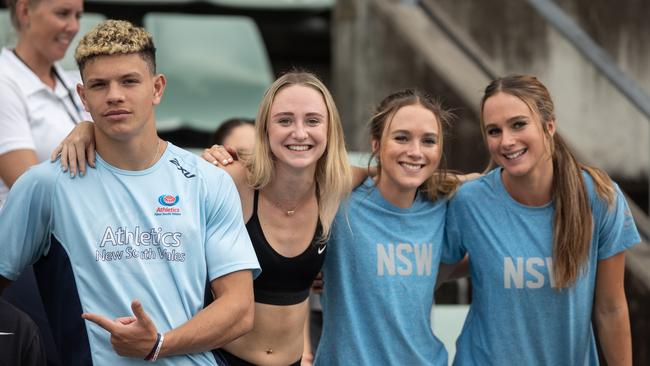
(517, 317)
(100, 241)
(379, 278)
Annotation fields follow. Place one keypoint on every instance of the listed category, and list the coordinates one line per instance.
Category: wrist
(155, 350)
(168, 346)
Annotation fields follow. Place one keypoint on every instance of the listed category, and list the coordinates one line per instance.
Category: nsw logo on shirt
(527, 273)
(168, 206)
(404, 259)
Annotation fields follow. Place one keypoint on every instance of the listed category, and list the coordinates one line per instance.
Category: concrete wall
(600, 123)
(371, 58)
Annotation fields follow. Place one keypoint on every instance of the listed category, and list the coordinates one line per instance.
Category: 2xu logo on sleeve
(185, 172)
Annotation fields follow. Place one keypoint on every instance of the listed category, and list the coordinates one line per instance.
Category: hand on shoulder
(468, 177)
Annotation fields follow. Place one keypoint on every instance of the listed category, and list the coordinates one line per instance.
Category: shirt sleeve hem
(613, 251)
(10, 146)
(254, 267)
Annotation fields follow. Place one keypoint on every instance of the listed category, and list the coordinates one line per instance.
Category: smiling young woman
(380, 273)
(39, 103)
(290, 187)
(409, 152)
(545, 236)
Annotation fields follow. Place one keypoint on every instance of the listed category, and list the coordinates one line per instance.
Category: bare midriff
(276, 338)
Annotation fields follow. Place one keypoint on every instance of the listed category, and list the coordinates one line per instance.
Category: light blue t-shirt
(379, 279)
(516, 316)
(100, 241)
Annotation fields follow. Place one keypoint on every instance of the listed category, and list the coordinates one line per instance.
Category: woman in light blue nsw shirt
(546, 237)
(384, 250)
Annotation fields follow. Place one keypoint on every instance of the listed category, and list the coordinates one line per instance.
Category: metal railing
(433, 10)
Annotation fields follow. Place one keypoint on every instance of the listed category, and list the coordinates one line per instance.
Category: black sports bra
(284, 280)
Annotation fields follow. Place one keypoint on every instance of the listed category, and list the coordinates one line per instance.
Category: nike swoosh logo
(2, 333)
(321, 249)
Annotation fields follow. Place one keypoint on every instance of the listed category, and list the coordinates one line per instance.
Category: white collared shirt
(32, 115)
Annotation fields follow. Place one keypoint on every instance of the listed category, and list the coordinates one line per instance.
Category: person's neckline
(370, 186)
(511, 201)
(162, 156)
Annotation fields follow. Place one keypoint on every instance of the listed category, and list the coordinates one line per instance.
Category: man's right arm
(25, 221)
(232, 266)
(227, 318)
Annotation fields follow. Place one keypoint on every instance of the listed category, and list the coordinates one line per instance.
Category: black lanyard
(71, 97)
(74, 119)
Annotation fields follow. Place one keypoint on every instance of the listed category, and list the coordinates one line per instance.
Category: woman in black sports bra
(299, 148)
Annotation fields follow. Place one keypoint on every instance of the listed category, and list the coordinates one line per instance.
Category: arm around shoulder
(451, 272)
(77, 149)
(239, 174)
(359, 175)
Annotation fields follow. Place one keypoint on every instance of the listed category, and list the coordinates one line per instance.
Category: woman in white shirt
(39, 102)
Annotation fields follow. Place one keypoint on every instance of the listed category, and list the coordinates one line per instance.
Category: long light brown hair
(573, 223)
(440, 183)
(333, 176)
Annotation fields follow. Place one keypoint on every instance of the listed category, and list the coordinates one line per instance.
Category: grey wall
(600, 123)
(371, 58)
